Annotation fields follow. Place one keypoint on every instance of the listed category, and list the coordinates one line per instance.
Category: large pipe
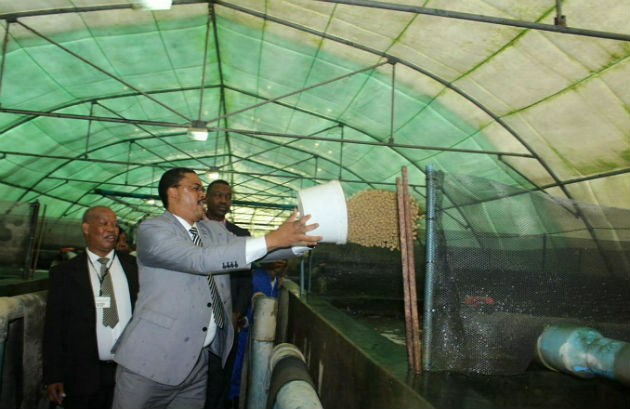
(583, 352)
(263, 334)
(10, 309)
(291, 385)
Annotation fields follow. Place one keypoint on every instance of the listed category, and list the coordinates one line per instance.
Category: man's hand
(56, 392)
(292, 233)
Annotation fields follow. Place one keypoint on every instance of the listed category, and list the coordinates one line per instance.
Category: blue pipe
(583, 352)
(430, 264)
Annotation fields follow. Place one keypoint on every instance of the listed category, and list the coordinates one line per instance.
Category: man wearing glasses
(184, 304)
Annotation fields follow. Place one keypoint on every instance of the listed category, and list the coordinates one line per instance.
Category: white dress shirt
(255, 248)
(106, 336)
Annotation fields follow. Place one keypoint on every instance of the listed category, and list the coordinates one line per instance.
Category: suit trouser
(217, 383)
(134, 391)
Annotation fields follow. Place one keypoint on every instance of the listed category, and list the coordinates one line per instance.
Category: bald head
(100, 229)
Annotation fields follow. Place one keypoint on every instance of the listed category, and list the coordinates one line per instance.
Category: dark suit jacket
(240, 281)
(70, 346)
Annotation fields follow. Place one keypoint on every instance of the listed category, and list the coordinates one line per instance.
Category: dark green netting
(509, 262)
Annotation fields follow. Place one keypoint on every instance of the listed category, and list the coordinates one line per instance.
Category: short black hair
(218, 182)
(171, 178)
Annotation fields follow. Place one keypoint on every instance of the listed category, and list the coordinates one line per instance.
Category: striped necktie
(217, 309)
(110, 315)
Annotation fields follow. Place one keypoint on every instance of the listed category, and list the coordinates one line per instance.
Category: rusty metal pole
(411, 268)
(405, 273)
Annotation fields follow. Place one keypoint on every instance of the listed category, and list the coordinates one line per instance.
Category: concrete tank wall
(353, 369)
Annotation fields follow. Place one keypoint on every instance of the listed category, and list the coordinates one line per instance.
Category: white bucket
(327, 206)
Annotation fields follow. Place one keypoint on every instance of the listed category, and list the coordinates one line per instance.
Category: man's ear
(171, 192)
(84, 228)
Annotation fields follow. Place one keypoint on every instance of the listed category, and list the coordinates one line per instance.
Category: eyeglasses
(195, 187)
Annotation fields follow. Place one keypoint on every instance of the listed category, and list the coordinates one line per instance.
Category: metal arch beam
(414, 67)
(94, 182)
(342, 140)
(105, 98)
(104, 71)
(363, 3)
(108, 145)
(157, 165)
(141, 164)
(153, 135)
(482, 19)
(140, 122)
(381, 144)
(81, 158)
(323, 35)
(98, 184)
(279, 97)
(13, 16)
(222, 101)
(61, 199)
(305, 152)
(98, 148)
(317, 115)
(5, 42)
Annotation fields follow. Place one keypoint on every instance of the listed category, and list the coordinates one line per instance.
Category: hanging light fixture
(152, 4)
(198, 131)
(213, 173)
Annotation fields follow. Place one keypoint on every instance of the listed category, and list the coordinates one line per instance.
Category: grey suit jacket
(165, 336)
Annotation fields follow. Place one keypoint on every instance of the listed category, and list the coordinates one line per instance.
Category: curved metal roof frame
(517, 173)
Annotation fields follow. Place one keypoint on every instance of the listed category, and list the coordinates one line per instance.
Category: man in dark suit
(218, 203)
(90, 299)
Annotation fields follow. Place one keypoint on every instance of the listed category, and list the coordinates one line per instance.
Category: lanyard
(98, 275)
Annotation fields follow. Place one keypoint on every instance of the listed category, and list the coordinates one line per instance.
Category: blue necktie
(217, 308)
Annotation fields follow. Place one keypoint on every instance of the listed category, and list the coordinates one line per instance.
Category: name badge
(103, 302)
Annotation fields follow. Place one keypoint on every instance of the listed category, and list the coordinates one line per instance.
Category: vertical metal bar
(405, 273)
(413, 299)
(31, 240)
(302, 276)
(341, 152)
(430, 264)
(5, 41)
(544, 252)
(202, 88)
(40, 237)
(559, 20)
(391, 115)
(310, 269)
(128, 160)
(89, 130)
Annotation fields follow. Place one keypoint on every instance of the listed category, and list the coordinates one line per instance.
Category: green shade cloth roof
(98, 95)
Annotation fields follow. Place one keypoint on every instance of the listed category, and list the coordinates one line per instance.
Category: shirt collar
(94, 257)
(184, 223)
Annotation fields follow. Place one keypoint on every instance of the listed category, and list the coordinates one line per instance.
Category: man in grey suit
(184, 304)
